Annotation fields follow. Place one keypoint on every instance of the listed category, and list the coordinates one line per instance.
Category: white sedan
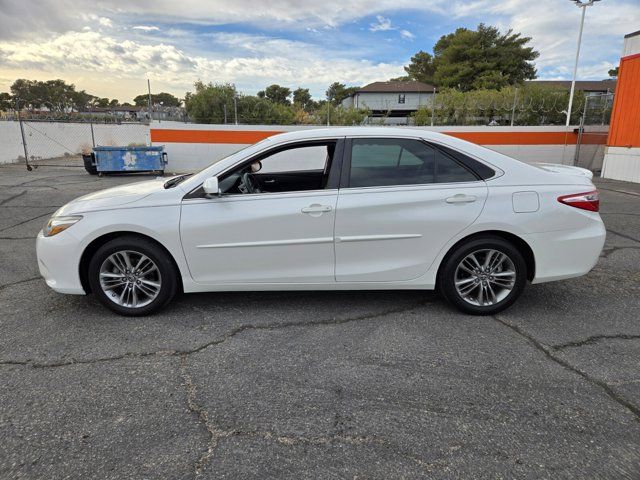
(331, 209)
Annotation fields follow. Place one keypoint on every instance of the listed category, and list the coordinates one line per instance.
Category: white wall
(55, 139)
(188, 157)
(622, 163)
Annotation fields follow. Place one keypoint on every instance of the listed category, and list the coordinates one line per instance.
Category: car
(352, 208)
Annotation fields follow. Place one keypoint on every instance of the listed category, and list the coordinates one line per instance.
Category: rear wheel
(483, 276)
(132, 276)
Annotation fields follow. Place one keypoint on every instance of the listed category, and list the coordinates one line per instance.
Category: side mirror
(211, 186)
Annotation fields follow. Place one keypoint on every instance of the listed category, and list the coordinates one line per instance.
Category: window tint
(382, 162)
(449, 171)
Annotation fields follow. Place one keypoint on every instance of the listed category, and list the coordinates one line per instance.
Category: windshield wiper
(172, 182)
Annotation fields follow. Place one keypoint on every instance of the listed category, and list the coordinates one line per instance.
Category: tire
(138, 292)
(483, 292)
(87, 160)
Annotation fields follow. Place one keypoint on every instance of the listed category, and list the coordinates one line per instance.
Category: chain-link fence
(592, 131)
(41, 142)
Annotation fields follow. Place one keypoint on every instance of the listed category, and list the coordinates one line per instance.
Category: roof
(632, 34)
(581, 85)
(394, 86)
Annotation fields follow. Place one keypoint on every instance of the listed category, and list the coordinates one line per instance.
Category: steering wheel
(250, 184)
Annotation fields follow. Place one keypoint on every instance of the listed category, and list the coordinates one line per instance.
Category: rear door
(401, 200)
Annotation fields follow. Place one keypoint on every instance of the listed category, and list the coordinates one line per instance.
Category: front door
(404, 200)
(273, 222)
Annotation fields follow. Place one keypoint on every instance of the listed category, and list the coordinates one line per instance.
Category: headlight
(55, 225)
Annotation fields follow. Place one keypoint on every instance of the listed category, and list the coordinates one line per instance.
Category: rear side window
(379, 162)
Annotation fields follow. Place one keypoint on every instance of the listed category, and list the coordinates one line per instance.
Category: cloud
(382, 25)
(146, 28)
(105, 22)
(407, 34)
(250, 61)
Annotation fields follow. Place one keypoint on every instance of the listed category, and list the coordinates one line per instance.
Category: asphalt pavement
(316, 384)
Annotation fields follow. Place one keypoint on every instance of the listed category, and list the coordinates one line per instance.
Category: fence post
(93, 138)
(433, 105)
(24, 141)
(513, 109)
(576, 155)
(235, 109)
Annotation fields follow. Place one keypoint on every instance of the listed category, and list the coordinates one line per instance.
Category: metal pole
(93, 138)
(235, 109)
(225, 113)
(328, 110)
(149, 100)
(24, 141)
(433, 105)
(513, 109)
(575, 66)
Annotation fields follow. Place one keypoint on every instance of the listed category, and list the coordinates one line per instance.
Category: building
(392, 98)
(622, 153)
(588, 87)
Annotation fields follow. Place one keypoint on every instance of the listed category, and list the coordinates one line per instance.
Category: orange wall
(482, 138)
(625, 118)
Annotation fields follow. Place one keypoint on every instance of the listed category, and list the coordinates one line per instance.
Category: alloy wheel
(130, 279)
(485, 277)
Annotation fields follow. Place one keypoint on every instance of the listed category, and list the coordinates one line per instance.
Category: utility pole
(583, 4)
(149, 100)
(224, 107)
(24, 141)
(328, 114)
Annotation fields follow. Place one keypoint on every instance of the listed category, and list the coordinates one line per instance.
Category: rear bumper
(567, 253)
(58, 262)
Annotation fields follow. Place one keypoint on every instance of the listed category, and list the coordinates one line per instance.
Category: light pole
(583, 4)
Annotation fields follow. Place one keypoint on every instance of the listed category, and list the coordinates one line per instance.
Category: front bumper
(59, 262)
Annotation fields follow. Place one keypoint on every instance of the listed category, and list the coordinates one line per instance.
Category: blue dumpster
(129, 159)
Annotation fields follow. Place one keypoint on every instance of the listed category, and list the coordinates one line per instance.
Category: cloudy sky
(110, 47)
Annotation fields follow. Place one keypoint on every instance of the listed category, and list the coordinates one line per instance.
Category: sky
(110, 47)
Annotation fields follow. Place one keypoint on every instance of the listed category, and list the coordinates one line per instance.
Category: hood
(113, 197)
(565, 169)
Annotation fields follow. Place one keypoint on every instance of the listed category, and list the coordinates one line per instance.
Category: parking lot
(316, 385)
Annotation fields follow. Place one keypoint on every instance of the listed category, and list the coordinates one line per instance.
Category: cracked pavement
(316, 384)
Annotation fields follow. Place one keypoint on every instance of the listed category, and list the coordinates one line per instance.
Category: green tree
(82, 100)
(101, 102)
(261, 110)
(302, 98)
(614, 72)
(482, 58)
(339, 91)
(276, 94)
(114, 102)
(163, 98)
(420, 68)
(6, 102)
(210, 101)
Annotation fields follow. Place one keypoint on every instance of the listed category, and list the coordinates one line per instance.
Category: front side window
(291, 169)
(377, 162)
(401, 98)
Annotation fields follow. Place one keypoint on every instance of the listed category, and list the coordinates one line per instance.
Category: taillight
(586, 201)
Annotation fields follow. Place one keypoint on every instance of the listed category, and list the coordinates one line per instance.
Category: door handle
(316, 209)
(461, 198)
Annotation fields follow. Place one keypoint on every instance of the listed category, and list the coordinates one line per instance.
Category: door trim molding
(270, 243)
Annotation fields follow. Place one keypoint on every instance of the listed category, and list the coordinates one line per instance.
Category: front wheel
(132, 276)
(483, 276)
